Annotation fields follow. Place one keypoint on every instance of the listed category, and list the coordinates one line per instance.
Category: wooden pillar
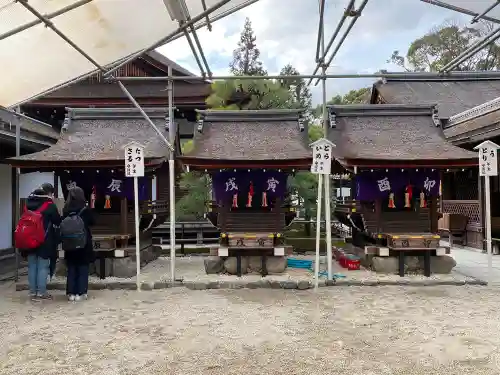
(277, 222)
(441, 198)
(56, 184)
(480, 198)
(16, 206)
(433, 214)
(378, 215)
(223, 212)
(124, 215)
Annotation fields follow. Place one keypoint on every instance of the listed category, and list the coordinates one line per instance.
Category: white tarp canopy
(474, 6)
(36, 60)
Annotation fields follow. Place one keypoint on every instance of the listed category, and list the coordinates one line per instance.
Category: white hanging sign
(322, 156)
(488, 164)
(134, 160)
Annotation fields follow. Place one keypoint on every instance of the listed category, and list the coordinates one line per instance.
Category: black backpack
(73, 232)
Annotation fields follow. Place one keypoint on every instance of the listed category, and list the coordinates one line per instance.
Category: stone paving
(191, 274)
(474, 263)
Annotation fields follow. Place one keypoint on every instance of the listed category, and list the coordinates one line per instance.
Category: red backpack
(30, 232)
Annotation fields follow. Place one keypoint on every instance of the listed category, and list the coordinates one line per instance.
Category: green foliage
(186, 146)
(441, 45)
(248, 94)
(352, 97)
(315, 133)
(246, 56)
(192, 205)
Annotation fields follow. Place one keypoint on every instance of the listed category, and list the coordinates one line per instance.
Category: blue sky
(286, 33)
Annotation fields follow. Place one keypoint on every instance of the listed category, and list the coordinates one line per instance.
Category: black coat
(51, 221)
(86, 255)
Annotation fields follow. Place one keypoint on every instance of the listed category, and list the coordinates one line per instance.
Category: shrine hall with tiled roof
(250, 138)
(97, 136)
(390, 135)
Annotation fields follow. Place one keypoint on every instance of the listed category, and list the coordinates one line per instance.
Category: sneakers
(41, 297)
(77, 298)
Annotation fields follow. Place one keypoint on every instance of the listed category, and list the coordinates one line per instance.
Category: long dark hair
(76, 200)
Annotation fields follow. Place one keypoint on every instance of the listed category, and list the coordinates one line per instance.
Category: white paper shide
(134, 160)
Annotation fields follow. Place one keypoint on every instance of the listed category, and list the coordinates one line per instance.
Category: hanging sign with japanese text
(134, 160)
(488, 164)
(322, 156)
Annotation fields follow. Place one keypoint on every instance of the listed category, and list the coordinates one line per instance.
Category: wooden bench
(409, 243)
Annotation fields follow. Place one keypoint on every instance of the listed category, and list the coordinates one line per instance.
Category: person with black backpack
(76, 241)
(36, 238)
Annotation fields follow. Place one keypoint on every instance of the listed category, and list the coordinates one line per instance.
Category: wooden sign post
(321, 165)
(488, 166)
(134, 167)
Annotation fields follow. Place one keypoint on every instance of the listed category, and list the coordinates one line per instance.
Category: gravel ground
(192, 269)
(351, 330)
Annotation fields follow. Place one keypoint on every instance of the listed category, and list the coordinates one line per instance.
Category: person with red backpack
(37, 239)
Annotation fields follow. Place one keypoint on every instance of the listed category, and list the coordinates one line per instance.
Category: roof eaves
(475, 112)
(360, 110)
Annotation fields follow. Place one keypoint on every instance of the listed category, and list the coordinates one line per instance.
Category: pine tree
(246, 57)
(299, 92)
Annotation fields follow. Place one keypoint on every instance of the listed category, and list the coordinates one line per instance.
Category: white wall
(30, 181)
(6, 206)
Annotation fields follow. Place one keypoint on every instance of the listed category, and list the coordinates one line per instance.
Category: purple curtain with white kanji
(374, 185)
(227, 183)
(106, 183)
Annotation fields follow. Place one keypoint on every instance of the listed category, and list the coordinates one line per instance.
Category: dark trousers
(77, 282)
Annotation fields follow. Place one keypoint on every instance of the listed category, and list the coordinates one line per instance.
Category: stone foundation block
(230, 265)
(213, 265)
(441, 265)
(276, 265)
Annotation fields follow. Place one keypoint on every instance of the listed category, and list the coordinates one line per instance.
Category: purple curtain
(374, 185)
(106, 183)
(226, 183)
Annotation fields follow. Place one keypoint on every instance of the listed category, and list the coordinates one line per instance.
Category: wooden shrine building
(396, 153)
(249, 155)
(461, 102)
(90, 154)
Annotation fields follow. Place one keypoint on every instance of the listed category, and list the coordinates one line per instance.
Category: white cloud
(286, 32)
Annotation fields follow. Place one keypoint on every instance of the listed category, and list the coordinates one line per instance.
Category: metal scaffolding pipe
(489, 9)
(402, 76)
(207, 19)
(459, 10)
(195, 53)
(145, 115)
(320, 28)
(333, 37)
(172, 131)
(166, 39)
(344, 37)
(200, 50)
(216, 18)
(46, 16)
(472, 50)
(51, 25)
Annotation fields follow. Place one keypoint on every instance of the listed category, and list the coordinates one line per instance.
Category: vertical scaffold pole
(171, 171)
(328, 219)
